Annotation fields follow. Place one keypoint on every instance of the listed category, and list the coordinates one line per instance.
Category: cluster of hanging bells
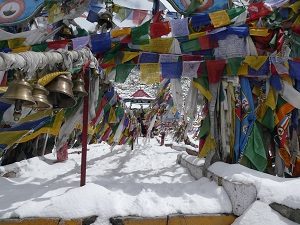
(59, 93)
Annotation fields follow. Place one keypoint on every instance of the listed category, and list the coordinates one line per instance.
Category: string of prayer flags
(159, 29)
(215, 69)
(100, 42)
(139, 16)
(122, 72)
(171, 70)
(150, 73)
(179, 27)
(140, 35)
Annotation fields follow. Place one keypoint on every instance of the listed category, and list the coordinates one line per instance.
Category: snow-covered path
(144, 182)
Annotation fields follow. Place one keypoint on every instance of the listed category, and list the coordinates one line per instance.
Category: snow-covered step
(192, 163)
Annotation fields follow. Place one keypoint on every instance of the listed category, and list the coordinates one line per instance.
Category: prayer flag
(122, 72)
(139, 16)
(140, 35)
(215, 69)
(171, 69)
(219, 18)
(150, 73)
(179, 27)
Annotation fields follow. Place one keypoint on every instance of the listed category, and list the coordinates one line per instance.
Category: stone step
(205, 219)
(41, 221)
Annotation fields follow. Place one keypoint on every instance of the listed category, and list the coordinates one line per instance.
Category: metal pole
(85, 122)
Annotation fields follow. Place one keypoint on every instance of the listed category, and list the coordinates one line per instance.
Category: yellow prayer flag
(271, 98)
(21, 49)
(209, 145)
(16, 43)
(49, 77)
(196, 35)
(243, 70)
(206, 93)
(219, 18)
(262, 32)
(297, 21)
(255, 62)
(150, 73)
(159, 45)
(120, 32)
(3, 89)
(112, 116)
(295, 7)
(129, 56)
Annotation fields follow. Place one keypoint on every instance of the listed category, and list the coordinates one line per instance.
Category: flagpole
(85, 127)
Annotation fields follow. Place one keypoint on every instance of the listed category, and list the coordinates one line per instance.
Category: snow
(270, 188)
(144, 182)
(261, 213)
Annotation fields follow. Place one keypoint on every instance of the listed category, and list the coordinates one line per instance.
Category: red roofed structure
(140, 94)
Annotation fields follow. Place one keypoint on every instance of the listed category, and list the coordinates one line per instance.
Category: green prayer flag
(269, 119)
(3, 44)
(140, 35)
(122, 72)
(123, 13)
(233, 65)
(119, 112)
(234, 12)
(39, 47)
(205, 126)
(255, 152)
(190, 46)
(112, 52)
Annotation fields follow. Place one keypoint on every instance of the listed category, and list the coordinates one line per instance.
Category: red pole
(85, 121)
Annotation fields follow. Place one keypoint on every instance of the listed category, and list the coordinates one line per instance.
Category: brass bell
(78, 88)
(61, 94)
(105, 18)
(39, 94)
(19, 92)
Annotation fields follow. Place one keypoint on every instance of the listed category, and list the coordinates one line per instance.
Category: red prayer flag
(257, 10)
(207, 42)
(57, 44)
(215, 69)
(159, 29)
